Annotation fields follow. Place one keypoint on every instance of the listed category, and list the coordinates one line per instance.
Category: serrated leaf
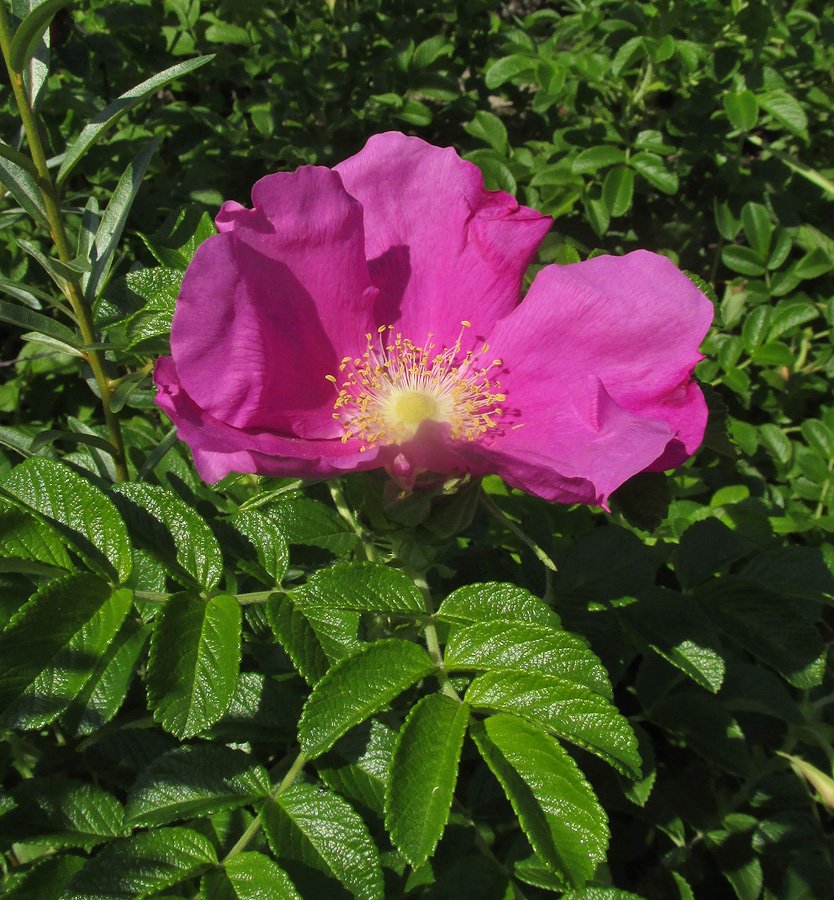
(527, 648)
(195, 781)
(159, 287)
(114, 111)
(742, 109)
(46, 880)
(194, 661)
(249, 876)
(677, 629)
(601, 893)
(22, 537)
(758, 229)
(787, 111)
(106, 688)
(487, 127)
(362, 586)
(568, 710)
(172, 531)
(68, 672)
(305, 521)
(496, 601)
(46, 624)
(598, 157)
(269, 543)
(63, 813)
(298, 637)
(78, 510)
(142, 865)
(356, 687)
(555, 805)
(313, 831)
(423, 774)
(617, 191)
(770, 626)
(357, 766)
(508, 67)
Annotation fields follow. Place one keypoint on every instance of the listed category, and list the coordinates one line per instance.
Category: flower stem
(81, 309)
(433, 642)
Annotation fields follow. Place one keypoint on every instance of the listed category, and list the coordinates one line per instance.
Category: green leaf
(305, 521)
(356, 687)
(743, 260)
(555, 805)
(19, 159)
(43, 626)
(193, 663)
(30, 31)
(67, 673)
(819, 436)
(786, 110)
(654, 170)
(113, 221)
(677, 629)
(142, 865)
(159, 287)
(742, 109)
(172, 531)
(627, 54)
(598, 157)
(362, 586)
(63, 813)
(617, 191)
(487, 127)
(86, 518)
(421, 784)
(96, 129)
(568, 710)
(23, 537)
(768, 625)
(23, 187)
(250, 876)
(106, 688)
(758, 229)
(526, 648)
(269, 543)
(35, 321)
(496, 601)
(46, 880)
(508, 67)
(357, 766)
(314, 832)
(298, 637)
(195, 781)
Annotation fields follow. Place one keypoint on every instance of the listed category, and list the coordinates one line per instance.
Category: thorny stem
(255, 825)
(81, 309)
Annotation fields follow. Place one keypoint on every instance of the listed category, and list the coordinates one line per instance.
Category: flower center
(395, 386)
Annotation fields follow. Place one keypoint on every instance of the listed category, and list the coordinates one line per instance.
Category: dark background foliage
(702, 130)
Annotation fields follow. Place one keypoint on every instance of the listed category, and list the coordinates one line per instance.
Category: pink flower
(369, 316)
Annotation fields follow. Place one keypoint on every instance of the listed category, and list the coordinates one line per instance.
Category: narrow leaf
(194, 661)
(35, 321)
(22, 186)
(112, 113)
(18, 158)
(356, 687)
(423, 775)
(30, 31)
(555, 805)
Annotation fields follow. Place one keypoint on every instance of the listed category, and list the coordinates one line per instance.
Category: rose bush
(370, 316)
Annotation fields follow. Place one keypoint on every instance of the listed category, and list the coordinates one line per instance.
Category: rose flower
(371, 316)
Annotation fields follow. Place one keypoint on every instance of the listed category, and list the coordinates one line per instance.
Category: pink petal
(271, 305)
(219, 448)
(442, 248)
(634, 322)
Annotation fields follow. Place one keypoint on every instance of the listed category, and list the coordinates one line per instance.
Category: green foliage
(270, 688)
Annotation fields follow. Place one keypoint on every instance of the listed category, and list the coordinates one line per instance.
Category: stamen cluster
(395, 385)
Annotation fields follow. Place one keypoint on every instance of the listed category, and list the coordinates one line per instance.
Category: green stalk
(46, 185)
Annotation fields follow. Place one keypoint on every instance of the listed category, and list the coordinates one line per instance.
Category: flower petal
(634, 322)
(219, 448)
(442, 248)
(271, 305)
